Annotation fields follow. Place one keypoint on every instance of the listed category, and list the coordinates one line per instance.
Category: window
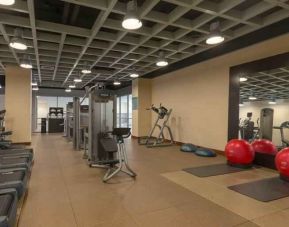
(45, 102)
(124, 111)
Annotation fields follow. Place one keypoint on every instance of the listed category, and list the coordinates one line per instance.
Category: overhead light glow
(131, 23)
(216, 39)
(252, 97)
(161, 62)
(67, 90)
(272, 102)
(35, 88)
(25, 62)
(72, 86)
(86, 71)
(243, 79)
(17, 42)
(7, 2)
(134, 75)
(131, 20)
(241, 104)
(33, 83)
(116, 82)
(215, 36)
(77, 80)
(26, 66)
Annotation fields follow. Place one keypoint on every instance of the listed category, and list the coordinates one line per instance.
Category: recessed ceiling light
(116, 82)
(86, 69)
(77, 80)
(134, 75)
(243, 79)
(131, 20)
(272, 102)
(25, 62)
(215, 36)
(67, 90)
(35, 88)
(161, 62)
(7, 2)
(33, 83)
(252, 97)
(17, 42)
(72, 86)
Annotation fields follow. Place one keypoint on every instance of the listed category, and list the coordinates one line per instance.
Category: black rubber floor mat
(213, 170)
(264, 190)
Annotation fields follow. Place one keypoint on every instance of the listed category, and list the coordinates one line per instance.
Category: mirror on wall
(262, 90)
(259, 106)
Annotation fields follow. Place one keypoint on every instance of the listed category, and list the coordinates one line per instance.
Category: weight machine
(104, 143)
(160, 123)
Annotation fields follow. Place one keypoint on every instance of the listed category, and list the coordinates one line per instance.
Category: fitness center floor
(64, 191)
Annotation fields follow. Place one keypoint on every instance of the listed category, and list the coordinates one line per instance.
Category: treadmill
(28, 152)
(15, 178)
(16, 162)
(8, 207)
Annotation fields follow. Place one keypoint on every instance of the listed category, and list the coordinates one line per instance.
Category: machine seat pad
(108, 145)
(12, 176)
(5, 203)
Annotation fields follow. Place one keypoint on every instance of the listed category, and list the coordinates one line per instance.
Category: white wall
(281, 114)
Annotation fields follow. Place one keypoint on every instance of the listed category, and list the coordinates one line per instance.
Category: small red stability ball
(239, 152)
(282, 161)
(264, 146)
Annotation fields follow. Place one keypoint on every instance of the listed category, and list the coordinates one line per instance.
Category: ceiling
(266, 85)
(63, 35)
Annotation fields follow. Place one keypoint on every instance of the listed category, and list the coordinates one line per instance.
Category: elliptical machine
(159, 141)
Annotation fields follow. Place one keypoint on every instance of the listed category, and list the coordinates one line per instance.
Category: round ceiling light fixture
(17, 42)
(131, 19)
(215, 36)
(7, 2)
(243, 79)
(26, 62)
(116, 82)
(161, 62)
(86, 69)
(67, 90)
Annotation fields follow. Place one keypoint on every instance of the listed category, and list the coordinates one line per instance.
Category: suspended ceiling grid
(63, 35)
(272, 84)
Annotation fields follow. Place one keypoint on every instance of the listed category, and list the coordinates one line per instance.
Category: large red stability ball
(239, 152)
(282, 162)
(264, 146)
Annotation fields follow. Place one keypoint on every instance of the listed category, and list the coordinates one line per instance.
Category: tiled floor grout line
(67, 191)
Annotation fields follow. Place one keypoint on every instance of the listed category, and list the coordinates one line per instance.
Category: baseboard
(181, 143)
(23, 143)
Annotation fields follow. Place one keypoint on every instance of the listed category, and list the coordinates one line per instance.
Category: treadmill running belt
(13, 161)
(5, 204)
(11, 176)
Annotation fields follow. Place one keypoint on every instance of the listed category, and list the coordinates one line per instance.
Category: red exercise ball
(264, 146)
(239, 152)
(282, 162)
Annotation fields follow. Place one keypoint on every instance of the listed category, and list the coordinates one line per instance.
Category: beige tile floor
(64, 191)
